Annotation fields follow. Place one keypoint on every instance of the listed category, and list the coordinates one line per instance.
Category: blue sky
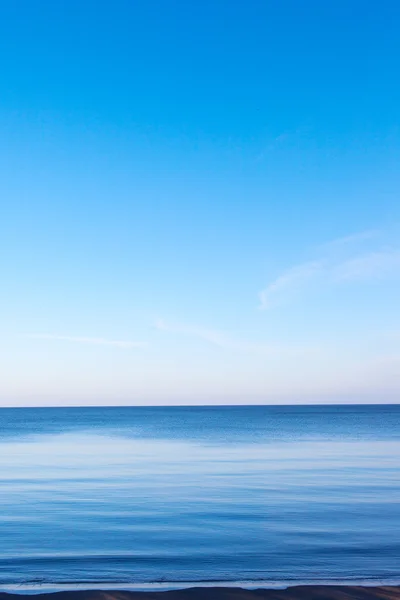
(199, 202)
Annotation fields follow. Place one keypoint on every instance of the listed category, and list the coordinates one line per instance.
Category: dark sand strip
(309, 592)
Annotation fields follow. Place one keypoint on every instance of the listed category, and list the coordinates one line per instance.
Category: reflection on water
(135, 495)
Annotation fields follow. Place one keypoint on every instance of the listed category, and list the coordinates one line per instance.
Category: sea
(144, 497)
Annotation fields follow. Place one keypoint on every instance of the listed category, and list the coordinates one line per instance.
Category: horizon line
(302, 404)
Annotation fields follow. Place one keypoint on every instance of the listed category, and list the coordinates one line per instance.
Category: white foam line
(40, 588)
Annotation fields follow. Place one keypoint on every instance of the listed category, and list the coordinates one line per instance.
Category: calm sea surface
(133, 495)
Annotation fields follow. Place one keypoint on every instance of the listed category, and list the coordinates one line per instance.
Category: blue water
(133, 495)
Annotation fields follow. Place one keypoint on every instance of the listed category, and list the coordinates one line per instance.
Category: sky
(199, 202)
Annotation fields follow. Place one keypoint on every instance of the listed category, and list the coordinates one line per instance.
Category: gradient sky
(199, 201)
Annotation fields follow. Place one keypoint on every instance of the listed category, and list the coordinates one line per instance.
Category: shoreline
(215, 592)
(212, 591)
(38, 587)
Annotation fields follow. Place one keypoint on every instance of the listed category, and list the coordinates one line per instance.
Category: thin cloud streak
(213, 337)
(375, 265)
(289, 282)
(222, 340)
(353, 238)
(337, 270)
(89, 340)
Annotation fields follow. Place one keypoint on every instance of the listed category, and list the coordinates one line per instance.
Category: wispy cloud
(335, 268)
(229, 342)
(289, 282)
(374, 265)
(353, 238)
(213, 337)
(280, 140)
(88, 340)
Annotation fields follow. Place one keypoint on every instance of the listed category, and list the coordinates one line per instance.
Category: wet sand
(311, 592)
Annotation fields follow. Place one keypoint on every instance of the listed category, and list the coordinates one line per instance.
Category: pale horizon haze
(200, 202)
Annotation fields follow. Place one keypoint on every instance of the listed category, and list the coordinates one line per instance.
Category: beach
(322, 592)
